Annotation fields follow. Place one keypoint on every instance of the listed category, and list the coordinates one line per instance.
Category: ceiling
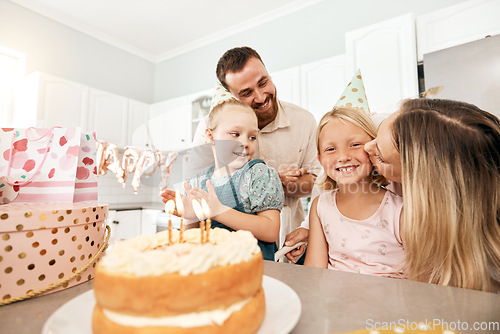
(157, 30)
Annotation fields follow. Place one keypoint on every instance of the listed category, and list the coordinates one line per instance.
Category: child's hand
(216, 207)
(188, 211)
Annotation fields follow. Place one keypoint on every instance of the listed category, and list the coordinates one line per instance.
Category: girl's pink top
(370, 246)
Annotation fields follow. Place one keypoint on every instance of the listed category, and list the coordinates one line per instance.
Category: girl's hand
(186, 201)
(216, 207)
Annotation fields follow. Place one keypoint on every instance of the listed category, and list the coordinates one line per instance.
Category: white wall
(311, 34)
(58, 50)
(314, 33)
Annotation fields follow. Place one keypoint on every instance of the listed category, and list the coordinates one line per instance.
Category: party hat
(221, 94)
(354, 95)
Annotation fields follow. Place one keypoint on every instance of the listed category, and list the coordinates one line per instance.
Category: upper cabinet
(387, 56)
(107, 116)
(287, 84)
(455, 25)
(137, 131)
(170, 124)
(322, 82)
(44, 100)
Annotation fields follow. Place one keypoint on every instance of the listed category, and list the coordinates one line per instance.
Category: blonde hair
(359, 118)
(450, 159)
(215, 117)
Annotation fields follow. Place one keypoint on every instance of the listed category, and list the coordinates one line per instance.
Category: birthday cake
(200, 281)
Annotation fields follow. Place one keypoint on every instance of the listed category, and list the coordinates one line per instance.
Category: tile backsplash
(111, 192)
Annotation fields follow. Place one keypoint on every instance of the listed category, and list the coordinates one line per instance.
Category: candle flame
(178, 202)
(198, 211)
(170, 206)
(206, 209)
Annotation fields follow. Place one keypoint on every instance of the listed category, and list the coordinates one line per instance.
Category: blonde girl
(243, 194)
(354, 225)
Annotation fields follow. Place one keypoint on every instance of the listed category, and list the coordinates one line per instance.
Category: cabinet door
(458, 24)
(287, 84)
(322, 84)
(107, 116)
(45, 101)
(128, 224)
(138, 114)
(170, 124)
(387, 56)
(148, 222)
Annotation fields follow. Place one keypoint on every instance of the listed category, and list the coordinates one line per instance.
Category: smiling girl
(354, 226)
(242, 194)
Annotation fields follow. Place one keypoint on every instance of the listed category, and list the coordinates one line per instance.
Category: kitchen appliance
(468, 72)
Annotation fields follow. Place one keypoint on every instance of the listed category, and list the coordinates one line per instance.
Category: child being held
(354, 226)
(242, 194)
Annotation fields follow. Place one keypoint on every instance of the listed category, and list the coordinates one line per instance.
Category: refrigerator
(468, 72)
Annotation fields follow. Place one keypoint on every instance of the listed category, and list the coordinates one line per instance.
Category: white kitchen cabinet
(322, 84)
(45, 100)
(148, 221)
(201, 103)
(125, 224)
(107, 116)
(387, 56)
(459, 24)
(138, 115)
(287, 84)
(170, 124)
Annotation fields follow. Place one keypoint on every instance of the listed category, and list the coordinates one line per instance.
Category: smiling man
(286, 140)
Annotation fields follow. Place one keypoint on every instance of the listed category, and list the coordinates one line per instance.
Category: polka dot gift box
(43, 245)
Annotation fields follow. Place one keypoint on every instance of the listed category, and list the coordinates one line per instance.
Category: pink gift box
(45, 243)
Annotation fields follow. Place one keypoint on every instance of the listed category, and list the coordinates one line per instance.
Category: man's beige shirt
(290, 140)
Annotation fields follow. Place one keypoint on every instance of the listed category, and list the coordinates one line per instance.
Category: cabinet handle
(116, 222)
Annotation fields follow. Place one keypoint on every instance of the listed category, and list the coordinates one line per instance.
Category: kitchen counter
(331, 301)
(137, 206)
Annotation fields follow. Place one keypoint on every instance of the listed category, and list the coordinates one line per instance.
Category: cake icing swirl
(150, 255)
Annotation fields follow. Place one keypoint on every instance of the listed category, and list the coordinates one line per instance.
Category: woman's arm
(317, 247)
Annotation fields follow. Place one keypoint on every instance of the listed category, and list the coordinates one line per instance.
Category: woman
(446, 154)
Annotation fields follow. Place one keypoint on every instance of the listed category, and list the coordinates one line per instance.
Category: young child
(354, 226)
(242, 194)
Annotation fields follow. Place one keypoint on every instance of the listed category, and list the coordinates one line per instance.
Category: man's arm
(296, 182)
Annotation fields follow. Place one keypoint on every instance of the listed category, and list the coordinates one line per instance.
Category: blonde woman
(446, 154)
(355, 225)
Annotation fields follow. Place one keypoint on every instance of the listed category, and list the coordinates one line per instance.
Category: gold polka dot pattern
(44, 243)
(354, 95)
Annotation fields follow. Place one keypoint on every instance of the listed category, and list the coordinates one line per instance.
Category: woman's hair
(450, 159)
(359, 118)
(215, 115)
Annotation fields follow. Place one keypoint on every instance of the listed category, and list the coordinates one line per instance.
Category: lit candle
(199, 213)
(170, 208)
(180, 211)
(206, 213)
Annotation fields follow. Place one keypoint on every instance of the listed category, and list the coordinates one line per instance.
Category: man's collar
(281, 120)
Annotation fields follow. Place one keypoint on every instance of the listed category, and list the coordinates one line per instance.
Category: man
(287, 139)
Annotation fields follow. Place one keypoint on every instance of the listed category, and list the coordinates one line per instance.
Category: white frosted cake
(156, 284)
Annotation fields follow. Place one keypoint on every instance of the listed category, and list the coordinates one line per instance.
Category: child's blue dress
(253, 188)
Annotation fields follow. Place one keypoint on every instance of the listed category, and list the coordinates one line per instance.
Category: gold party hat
(354, 96)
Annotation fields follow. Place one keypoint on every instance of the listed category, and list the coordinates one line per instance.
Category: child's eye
(252, 138)
(234, 134)
(379, 159)
(330, 149)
